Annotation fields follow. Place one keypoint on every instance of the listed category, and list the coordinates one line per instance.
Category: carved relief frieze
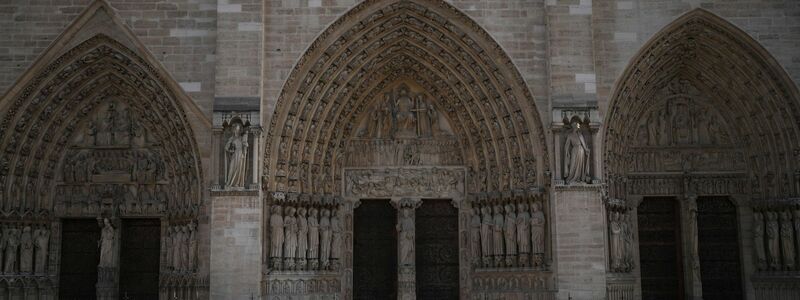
(489, 284)
(411, 182)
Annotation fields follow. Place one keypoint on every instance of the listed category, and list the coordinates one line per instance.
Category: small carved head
(536, 206)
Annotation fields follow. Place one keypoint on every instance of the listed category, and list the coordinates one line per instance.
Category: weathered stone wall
(620, 29)
(181, 34)
(235, 247)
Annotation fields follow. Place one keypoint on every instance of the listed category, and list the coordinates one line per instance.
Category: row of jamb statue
(506, 235)
(305, 238)
(18, 247)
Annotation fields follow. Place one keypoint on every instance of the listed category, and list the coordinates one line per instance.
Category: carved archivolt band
(373, 46)
(38, 125)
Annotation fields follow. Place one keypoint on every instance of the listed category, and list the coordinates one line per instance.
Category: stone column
(255, 132)
(348, 208)
(691, 258)
(406, 247)
(218, 180)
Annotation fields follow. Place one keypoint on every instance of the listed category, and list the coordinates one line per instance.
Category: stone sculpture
(576, 156)
(236, 153)
(26, 251)
(107, 239)
(42, 243)
(406, 230)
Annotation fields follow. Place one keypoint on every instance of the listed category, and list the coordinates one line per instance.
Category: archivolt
(737, 76)
(382, 41)
(38, 124)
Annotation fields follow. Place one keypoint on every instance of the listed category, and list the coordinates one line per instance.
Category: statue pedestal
(406, 283)
(580, 242)
(106, 284)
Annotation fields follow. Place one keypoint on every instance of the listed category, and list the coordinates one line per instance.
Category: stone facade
(569, 138)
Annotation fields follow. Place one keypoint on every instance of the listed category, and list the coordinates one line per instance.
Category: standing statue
(386, 129)
(177, 253)
(107, 236)
(433, 115)
(11, 246)
(302, 236)
(758, 240)
(787, 240)
(42, 243)
(475, 235)
(627, 237)
(615, 232)
(523, 233)
(276, 233)
(406, 230)
(497, 233)
(313, 237)
(537, 228)
(336, 243)
(192, 252)
(185, 244)
(406, 119)
(486, 232)
(773, 250)
(289, 237)
(170, 245)
(26, 251)
(236, 149)
(510, 232)
(691, 213)
(576, 156)
(325, 238)
(796, 214)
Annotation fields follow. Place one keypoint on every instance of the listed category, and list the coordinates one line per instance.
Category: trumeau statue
(107, 237)
(576, 156)
(236, 157)
(406, 230)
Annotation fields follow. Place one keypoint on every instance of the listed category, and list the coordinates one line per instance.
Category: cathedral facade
(399, 149)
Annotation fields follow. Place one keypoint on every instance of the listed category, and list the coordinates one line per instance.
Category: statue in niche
(11, 245)
(236, 155)
(406, 117)
(290, 237)
(313, 237)
(475, 235)
(773, 250)
(523, 233)
(276, 232)
(486, 231)
(787, 240)
(42, 243)
(336, 243)
(107, 237)
(325, 238)
(406, 230)
(302, 236)
(497, 233)
(576, 156)
(26, 251)
(615, 233)
(537, 228)
(510, 232)
(758, 240)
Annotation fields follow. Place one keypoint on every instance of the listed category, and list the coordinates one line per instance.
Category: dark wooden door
(375, 251)
(718, 236)
(139, 259)
(437, 250)
(660, 249)
(79, 258)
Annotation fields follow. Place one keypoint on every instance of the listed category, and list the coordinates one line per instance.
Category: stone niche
(236, 143)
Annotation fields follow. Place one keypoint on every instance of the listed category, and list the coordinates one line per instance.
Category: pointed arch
(703, 57)
(431, 43)
(87, 69)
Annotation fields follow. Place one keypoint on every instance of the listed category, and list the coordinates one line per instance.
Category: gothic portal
(399, 149)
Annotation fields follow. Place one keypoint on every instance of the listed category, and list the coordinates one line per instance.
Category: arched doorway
(97, 145)
(354, 122)
(703, 121)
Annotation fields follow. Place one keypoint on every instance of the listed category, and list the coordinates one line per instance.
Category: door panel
(437, 250)
(375, 251)
(79, 258)
(718, 236)
(139, 258)
(660, 249)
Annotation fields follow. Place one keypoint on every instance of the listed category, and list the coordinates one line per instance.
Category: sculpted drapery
(236, 150)
(576, 156)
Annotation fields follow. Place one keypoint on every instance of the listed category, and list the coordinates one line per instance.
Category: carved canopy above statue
(343, 79)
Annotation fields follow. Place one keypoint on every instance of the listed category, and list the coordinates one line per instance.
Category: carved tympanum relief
(509, 232)
(116, 164)
(396, 182)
